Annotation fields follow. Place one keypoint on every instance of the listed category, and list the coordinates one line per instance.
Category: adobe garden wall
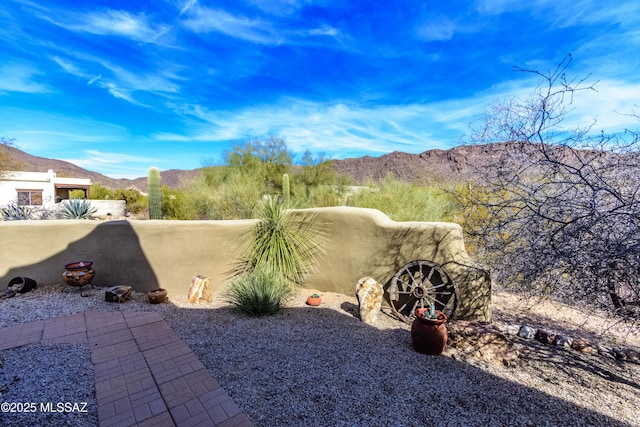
(151, 254)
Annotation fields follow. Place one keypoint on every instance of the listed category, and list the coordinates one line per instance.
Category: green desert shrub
(100, 192)
(258, 293)
(403, 201)
(77, 209)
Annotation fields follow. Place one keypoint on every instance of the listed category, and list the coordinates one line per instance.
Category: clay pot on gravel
(314, 300)
(429, 335)
(21, 285)
(157, 296)
(78, 273)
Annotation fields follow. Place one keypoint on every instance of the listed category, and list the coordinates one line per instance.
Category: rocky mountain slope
(19, 160)
(430, 167)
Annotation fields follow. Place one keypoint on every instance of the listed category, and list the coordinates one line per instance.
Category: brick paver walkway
(145, 374)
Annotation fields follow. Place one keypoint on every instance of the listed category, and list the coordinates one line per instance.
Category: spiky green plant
(77, 209)
(155, 193)
(14, 212)
(257, 293)
(282, 242)
(286, 190)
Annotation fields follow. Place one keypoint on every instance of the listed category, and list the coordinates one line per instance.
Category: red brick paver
(145, 375)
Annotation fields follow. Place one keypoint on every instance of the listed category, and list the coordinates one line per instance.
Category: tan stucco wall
(151, 254)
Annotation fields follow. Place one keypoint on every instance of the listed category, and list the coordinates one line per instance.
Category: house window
(30, 197)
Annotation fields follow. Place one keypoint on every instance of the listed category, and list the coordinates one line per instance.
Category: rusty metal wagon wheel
(420, 284)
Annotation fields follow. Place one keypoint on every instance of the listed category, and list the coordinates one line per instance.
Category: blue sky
(119, 86)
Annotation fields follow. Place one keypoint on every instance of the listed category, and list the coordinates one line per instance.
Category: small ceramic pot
(314, 300)
(157, 296)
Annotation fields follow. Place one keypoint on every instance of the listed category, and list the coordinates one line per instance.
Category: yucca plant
(77, 209)
(282, 242)
(258, 293)
(279, 252)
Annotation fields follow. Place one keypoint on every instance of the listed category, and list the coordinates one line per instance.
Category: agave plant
(77, 209)
(14, 212)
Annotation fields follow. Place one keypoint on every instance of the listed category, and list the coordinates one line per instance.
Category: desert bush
(258, 292)
(559, 212)
(135, 201)
(100, 192)
(403, 201)
(266, 159)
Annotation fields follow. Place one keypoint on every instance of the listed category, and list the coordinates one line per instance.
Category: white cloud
(21, 78)
(55, 131)
(119, 165)
(205, 20)
(437, 29)
(112, 22)
(331, 128)
(118, 81)
(280, 7)
(324, 30)
(187, 6)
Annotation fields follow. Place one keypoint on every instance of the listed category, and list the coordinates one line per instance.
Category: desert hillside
(428, 167)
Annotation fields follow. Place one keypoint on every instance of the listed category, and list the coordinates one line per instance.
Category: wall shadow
(110, 243)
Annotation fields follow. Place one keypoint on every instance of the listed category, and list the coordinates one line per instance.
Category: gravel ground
(323, 367)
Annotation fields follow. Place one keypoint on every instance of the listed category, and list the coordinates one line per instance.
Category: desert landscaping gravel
(309, 366)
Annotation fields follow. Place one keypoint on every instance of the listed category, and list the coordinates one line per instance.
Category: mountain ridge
(429, 167)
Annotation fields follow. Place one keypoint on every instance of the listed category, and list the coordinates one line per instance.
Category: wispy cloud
(137, 27)
(121, 165)
(280, 7)
(55, 131)
(437, 29)
(331, 128)
(21, 78)
(206, 20)
(188, 4)
(118, 81)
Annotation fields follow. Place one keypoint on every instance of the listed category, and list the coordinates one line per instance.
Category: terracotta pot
(314, 300)
(157, 296)
(429, 336)
(78, 273)
(21, 284)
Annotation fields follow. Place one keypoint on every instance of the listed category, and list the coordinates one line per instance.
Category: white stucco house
(45, 190)
(42, 189)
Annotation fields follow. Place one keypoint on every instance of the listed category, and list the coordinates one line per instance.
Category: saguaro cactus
(155, 194)
(286, 192)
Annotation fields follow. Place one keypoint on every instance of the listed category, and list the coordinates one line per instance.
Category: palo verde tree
(559, 211)
(267, 158)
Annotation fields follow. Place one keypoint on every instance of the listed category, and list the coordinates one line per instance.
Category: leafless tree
(559, 211)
